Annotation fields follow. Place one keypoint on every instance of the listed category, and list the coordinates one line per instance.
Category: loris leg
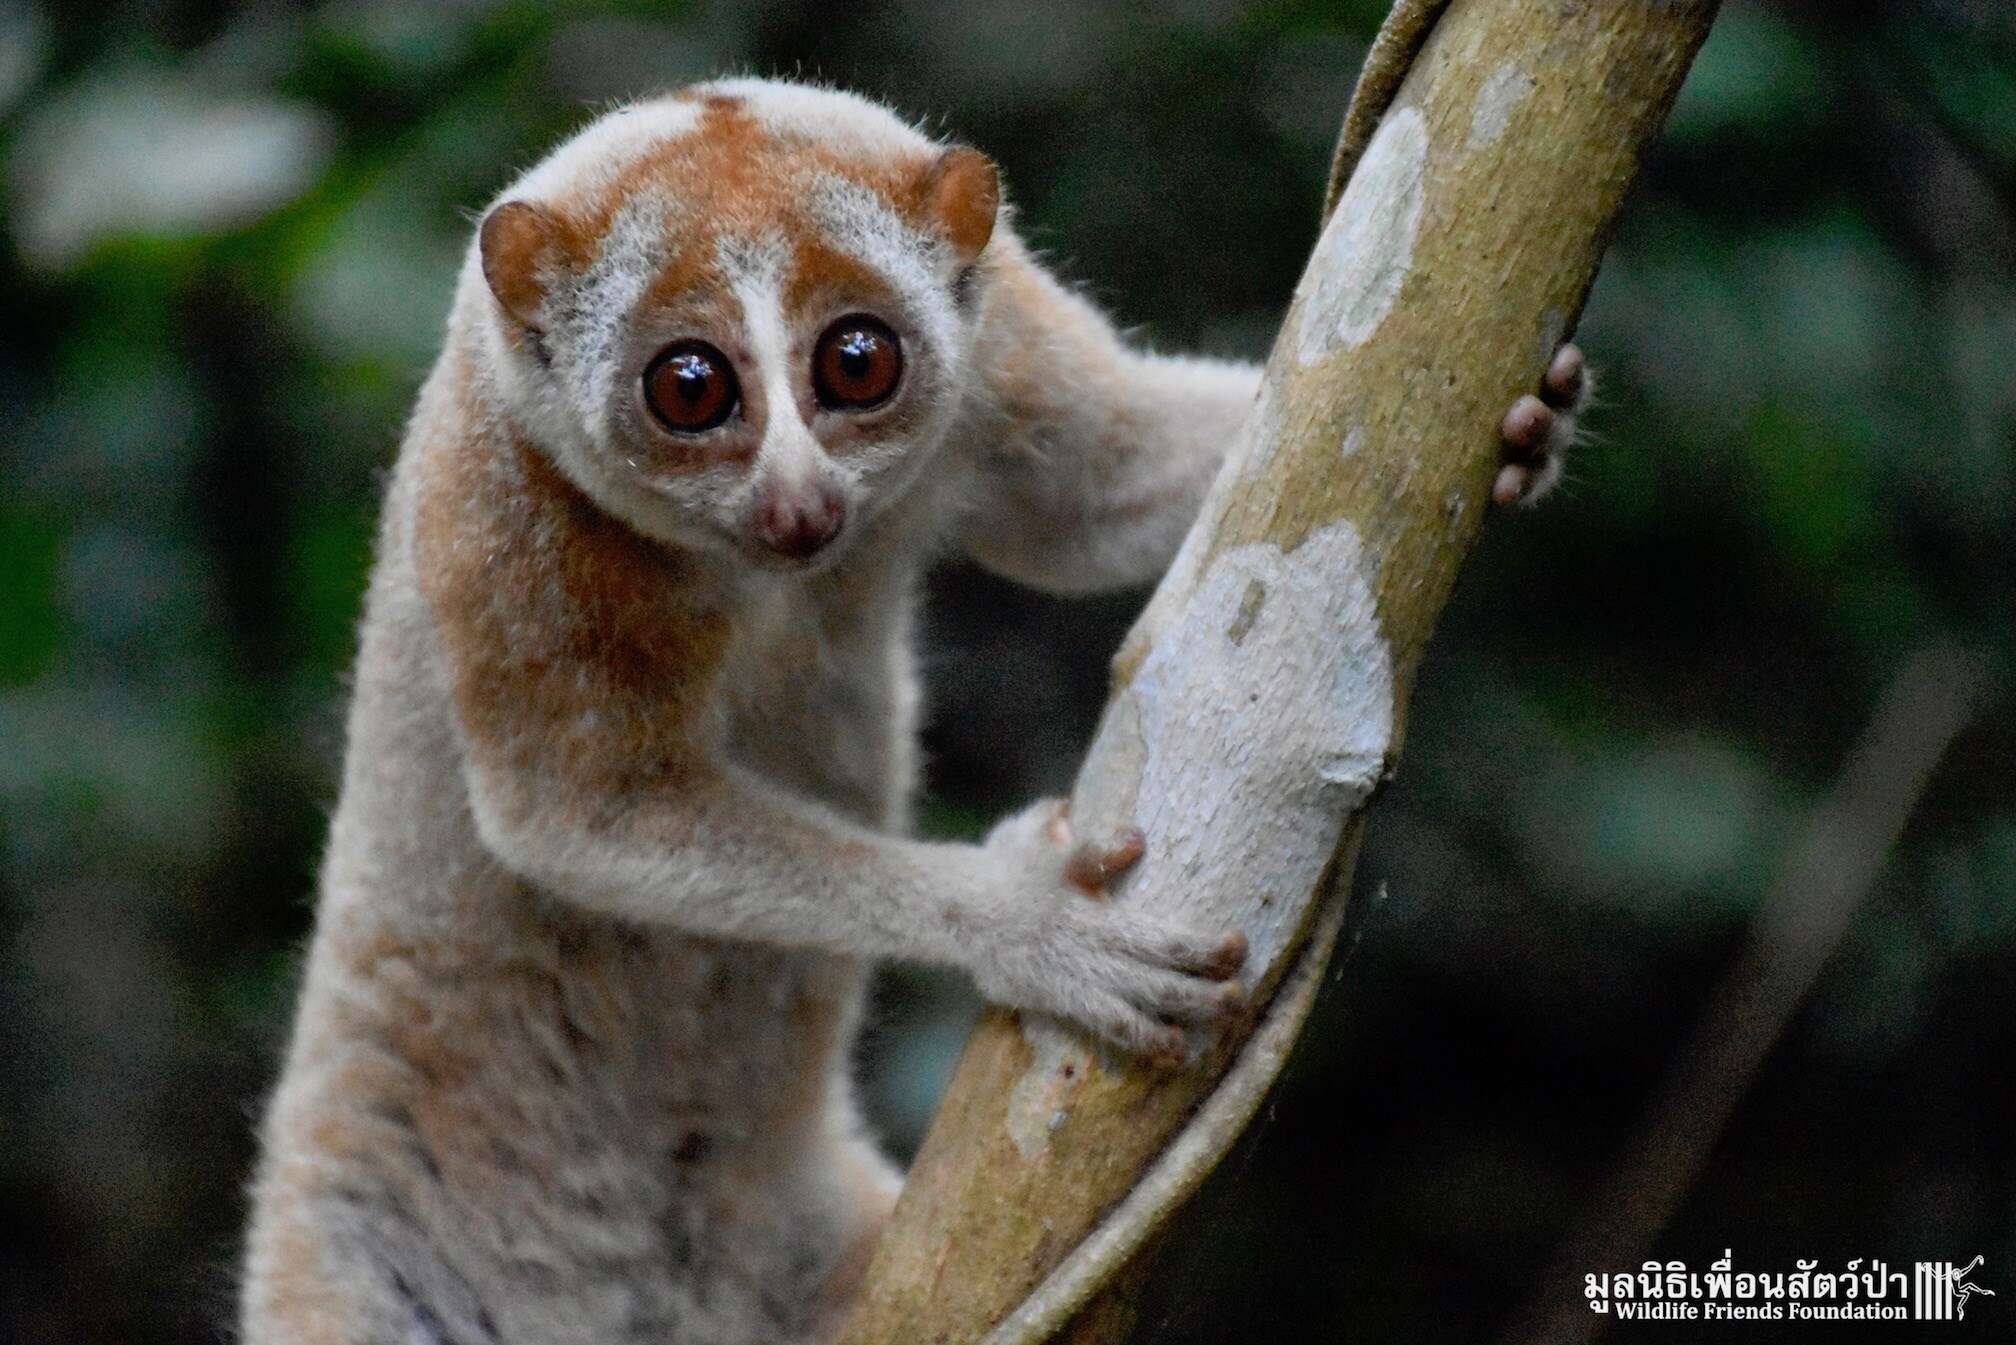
(1538, 431)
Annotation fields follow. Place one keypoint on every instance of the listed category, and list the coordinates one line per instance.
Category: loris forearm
(722, 855)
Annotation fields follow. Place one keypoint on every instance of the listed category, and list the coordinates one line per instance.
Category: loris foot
(1537, 432)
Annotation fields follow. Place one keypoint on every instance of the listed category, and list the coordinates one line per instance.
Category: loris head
(738, 317)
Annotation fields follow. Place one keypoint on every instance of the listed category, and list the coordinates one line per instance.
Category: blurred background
(229, 237)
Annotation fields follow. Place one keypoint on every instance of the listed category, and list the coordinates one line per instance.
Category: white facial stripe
(758, 265)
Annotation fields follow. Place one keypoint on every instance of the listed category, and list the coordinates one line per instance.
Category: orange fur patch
(579, 650)
(733, 178)
(821, 274)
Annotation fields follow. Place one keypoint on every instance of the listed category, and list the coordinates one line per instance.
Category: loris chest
(821, 699)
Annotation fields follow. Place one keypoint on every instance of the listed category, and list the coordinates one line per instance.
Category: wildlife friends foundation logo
(1940, 1292)
(1865, 1291)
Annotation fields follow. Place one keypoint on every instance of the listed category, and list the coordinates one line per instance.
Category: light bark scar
(1503, 91)
(1261, 436)
(1264, 725)
(1036, 1105)
(1367, 250)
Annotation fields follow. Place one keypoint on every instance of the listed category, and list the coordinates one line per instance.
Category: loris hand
(1538, 431)
(1056, 945)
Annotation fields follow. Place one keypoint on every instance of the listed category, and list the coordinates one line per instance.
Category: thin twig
(1827, 878)
(1387, 62)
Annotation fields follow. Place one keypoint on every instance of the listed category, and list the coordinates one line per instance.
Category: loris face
(739, 317)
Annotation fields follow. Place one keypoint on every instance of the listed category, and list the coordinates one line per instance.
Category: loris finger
(1092, 866)
(1527, 429)
(1514, 480)
(1565, 379)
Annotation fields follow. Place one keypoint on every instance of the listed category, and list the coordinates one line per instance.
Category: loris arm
(584, 683)
(1094, 457)
(697, 846)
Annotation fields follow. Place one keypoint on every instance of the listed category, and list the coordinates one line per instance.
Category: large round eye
(856, 364)
(691, 387)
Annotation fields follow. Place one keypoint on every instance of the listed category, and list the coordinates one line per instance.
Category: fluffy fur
(623, 807)
(623, 813)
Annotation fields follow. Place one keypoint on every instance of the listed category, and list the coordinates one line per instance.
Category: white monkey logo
(1961, 1288)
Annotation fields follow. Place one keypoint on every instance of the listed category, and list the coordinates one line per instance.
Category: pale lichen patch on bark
(1504, 90)
(1247, 777)
(1038, 1103)
(1367, 250)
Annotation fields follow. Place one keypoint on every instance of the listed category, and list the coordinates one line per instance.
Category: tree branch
(1261, 697)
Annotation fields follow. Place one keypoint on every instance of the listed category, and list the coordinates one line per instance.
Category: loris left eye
(856, 364)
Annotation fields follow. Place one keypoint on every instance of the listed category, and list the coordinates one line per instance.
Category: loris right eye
(690, 387)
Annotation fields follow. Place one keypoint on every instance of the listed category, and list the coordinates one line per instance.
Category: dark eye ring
(690, 387)
(857, 364)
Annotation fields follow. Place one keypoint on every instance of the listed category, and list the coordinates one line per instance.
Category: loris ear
(962, 192)
(522, 249)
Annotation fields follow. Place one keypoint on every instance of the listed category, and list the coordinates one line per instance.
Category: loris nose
(799, 523)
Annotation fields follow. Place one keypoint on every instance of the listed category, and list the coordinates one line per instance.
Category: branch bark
(1261, 697)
